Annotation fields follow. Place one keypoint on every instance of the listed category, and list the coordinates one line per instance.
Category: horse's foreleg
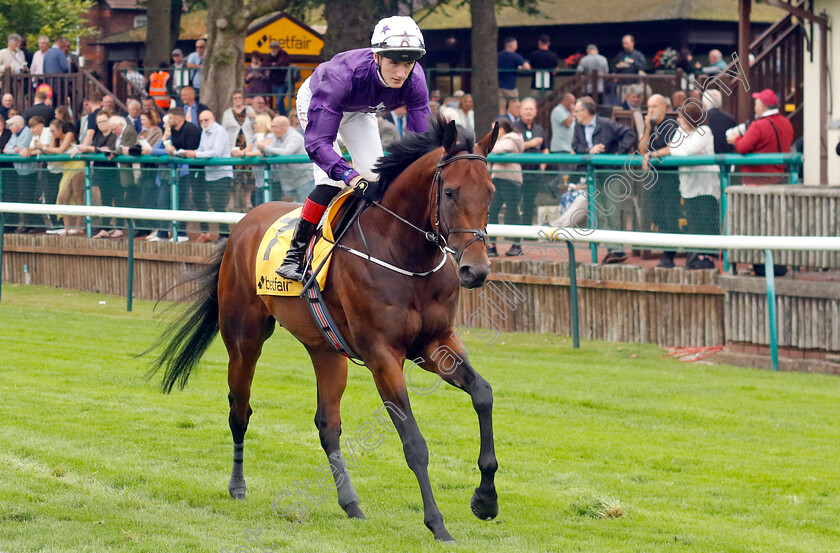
(448, 359)
(389, 380)
(331, 372)
(244, 342)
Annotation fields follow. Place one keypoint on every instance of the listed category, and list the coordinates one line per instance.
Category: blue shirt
(160, 150)
(197, 60)
(55, 61)
(22, 141)
(509, 60)
(215, 143)
(589, 131)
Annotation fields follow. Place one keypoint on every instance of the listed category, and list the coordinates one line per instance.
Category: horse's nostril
(465, 273)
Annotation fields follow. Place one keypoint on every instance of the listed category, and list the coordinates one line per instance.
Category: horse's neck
(410, 194)
(409, 197)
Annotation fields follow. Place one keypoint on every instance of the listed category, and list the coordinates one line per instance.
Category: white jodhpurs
(358, 131)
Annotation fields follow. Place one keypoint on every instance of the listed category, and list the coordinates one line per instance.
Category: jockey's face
(394, 73)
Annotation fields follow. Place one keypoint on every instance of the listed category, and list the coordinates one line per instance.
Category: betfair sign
(294, 37)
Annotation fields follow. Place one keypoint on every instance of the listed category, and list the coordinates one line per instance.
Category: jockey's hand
(370, 190)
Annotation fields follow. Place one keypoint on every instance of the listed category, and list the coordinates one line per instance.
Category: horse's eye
(448, 193)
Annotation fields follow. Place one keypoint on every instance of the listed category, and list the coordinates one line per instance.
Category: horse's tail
(191, 335)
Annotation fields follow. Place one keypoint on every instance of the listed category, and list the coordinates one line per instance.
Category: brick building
(108, 17)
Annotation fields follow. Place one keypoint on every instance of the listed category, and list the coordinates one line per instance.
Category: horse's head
(464, 191)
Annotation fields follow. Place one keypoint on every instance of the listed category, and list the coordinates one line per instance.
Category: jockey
(342, 97)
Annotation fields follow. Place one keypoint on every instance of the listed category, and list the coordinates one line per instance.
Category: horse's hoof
(484, 508)
(445, 537)
(354, 511)
(237, 490)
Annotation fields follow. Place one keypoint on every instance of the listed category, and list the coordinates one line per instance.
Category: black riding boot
(292, 266)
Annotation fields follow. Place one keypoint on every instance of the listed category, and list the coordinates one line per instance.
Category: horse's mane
(413, 146)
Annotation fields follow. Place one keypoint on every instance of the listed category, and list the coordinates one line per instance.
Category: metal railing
(553, 234)
(593, 170)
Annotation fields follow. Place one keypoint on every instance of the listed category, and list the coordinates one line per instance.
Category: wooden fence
(668, 307)
(785, 210)
(616, 303)
(631, 304)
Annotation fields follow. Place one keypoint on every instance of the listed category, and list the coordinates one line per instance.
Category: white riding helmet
(398, 38)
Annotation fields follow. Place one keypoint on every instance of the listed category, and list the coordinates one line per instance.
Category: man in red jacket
(771, 132)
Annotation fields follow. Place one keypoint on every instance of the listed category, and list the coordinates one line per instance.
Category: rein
(435, 237)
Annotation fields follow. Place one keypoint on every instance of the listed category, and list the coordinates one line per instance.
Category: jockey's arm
(320, 135)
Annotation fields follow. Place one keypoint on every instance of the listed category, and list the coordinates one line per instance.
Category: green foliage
(44, 17)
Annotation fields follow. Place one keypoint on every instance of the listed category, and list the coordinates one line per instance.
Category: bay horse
(435, 205)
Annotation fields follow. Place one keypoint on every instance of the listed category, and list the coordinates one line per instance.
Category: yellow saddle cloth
(275, 244)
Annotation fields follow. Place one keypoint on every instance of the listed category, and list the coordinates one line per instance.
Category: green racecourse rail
(590, 162)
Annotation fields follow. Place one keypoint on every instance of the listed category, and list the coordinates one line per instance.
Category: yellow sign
(294, 38)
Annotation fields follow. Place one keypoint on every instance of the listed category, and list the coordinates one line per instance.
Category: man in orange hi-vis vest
(158, 88)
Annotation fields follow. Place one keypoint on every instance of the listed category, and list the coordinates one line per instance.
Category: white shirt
(46, 137)
(466, 120)
(702, 180)
(37, 67)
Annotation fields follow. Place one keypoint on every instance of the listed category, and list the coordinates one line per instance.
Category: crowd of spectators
(267, 77)
(250, 127)
(671, 126)
(189, 129)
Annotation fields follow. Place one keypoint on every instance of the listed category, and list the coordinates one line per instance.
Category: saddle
(339, 215)
(276, 240)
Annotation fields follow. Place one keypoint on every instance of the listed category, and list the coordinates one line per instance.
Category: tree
(485, 63)
(164, 16)
(223, 70)
(350, 24)
(32, 18)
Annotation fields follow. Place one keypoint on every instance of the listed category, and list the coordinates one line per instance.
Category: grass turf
(605, 448)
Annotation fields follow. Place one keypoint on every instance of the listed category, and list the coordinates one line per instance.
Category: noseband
(437, 190)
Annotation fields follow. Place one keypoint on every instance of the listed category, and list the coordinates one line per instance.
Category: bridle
(437, 190)
(437, 237)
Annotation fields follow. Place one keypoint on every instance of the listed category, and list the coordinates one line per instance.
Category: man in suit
(399, 119)
(192, 107)
(597, 135)
(40, 108)
(133, 114)
(719, 121)
(55, 62)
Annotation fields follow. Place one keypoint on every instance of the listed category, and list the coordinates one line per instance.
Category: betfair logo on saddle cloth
(276, 242)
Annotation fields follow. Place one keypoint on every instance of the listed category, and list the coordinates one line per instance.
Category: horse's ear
(487, 143)
(450, 135)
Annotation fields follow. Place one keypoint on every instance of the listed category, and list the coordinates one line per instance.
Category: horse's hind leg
(448, 358)
(243, 329)
(331, 372)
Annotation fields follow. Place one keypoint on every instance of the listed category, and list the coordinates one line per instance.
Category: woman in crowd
(63, 114)
(238, 121)
(71, 186)
(256, 78)
(464, 115)
(150, 134)
(507, 178)
(262, 128)
(699, 185)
